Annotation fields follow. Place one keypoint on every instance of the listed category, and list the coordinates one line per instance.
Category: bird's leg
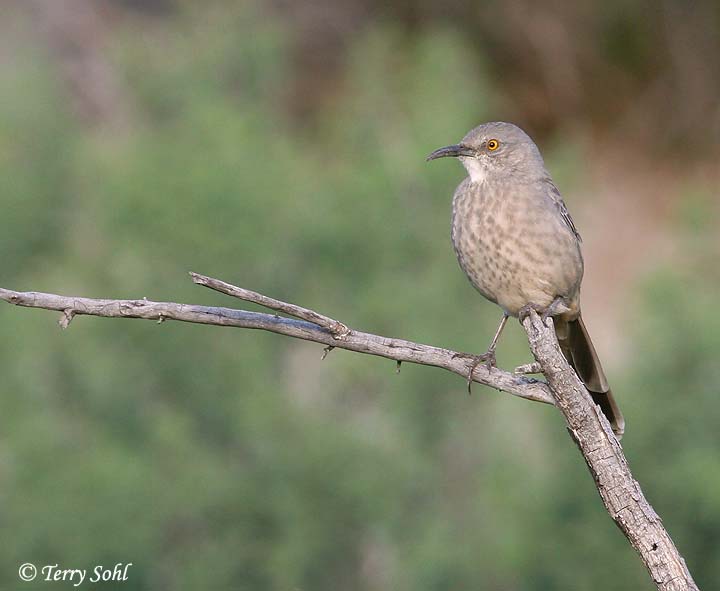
(498, 332)
(488, 357)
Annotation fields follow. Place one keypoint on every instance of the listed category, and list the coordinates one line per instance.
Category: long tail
(578, 349)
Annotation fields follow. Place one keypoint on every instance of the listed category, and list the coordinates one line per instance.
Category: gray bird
(517, 244)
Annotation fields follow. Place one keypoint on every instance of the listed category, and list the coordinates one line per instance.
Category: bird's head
(496, 149)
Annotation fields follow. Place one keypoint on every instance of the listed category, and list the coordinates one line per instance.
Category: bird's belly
(513, 268)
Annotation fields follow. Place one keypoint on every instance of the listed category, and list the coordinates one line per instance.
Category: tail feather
(578, 349)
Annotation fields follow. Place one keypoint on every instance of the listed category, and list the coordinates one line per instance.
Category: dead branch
(588, 427)
(338, 329)
(620, 492)
(314, 327)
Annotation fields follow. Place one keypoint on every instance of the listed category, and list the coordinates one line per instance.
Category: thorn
(399, 364)
(161, 319)
(66, 318)
(326, 350)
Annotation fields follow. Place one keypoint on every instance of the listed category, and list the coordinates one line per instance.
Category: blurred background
(280, 146)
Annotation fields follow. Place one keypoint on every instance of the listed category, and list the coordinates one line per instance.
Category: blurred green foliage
(214, 458)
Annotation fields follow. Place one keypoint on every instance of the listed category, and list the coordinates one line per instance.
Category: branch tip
(337, 329)
(528, 368)
(197, 278)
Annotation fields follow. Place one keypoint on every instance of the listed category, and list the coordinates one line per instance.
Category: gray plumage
(518, 245)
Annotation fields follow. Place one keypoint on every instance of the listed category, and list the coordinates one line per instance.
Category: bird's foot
(557, 306)
(488, 358)
(524, 312)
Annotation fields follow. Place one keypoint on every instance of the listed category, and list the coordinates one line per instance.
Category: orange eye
(493, 145)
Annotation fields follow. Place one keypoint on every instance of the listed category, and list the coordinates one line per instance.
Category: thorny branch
(589, 428)
(310, 326)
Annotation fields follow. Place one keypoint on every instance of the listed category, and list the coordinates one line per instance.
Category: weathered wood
(338, 329)
(588, 427)
(620, 493)
(360, 342)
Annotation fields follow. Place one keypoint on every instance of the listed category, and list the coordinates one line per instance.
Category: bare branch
(337, 328)
(621, 494)
(397, 349)
(588, 427)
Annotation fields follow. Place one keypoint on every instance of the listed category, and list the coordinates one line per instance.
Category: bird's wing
(557, 199)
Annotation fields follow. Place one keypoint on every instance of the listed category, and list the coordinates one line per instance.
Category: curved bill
(454, 151)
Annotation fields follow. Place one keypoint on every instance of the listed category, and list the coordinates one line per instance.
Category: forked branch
(588, 427)
(311, 326)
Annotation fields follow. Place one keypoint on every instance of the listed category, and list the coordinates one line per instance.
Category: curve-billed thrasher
(518, 245)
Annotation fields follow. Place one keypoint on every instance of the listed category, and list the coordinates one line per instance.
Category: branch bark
(334, 334)
(619, 491)
(589, 428)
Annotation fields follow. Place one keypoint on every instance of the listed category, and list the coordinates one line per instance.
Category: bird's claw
(488, 358)
(524, 312)
(554, 308)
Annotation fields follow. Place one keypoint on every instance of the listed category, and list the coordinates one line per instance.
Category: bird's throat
(476, 170)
